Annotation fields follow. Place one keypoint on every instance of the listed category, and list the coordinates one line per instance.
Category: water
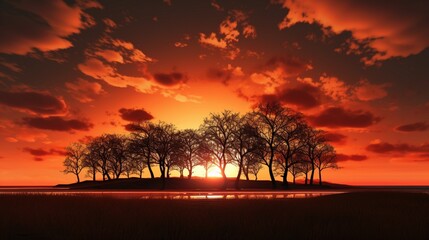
(179, 195)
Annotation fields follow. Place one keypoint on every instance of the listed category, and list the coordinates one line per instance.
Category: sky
(71, 70)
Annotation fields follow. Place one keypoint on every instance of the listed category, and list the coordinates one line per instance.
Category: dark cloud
(335, 137)
(413, 127)
(291, 65)
(385, 147)
(35, 102)
(303, 96)
(135, 115)
(336, 117)
(132, 127)
(170, 79)
(39, 153)
(57, 124)
(220, 74)
(43, 25)
(353, 157)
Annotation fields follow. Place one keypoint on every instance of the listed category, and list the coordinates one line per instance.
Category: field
(355, 215)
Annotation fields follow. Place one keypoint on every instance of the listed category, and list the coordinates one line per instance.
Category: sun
(214, 172)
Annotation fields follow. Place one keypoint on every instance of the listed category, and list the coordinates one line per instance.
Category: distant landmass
(192, 184)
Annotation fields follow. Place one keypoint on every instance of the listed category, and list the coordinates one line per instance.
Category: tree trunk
(93, 174)
(306, 178)
(207, 172)
(78, 179)
(150, 169)
(320, 177)
(190, 172)
(294, 178)
(285, 183)
(237, 179)
(312, 173)
(270, 168)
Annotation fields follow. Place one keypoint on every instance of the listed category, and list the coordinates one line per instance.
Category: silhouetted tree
(245, 141)
(270, 120)
(142, 144)
(313, 141)
(254, 166)
(92, 163)
(295, 170)
(118, 146)
(219, 132)
(74, 161)
(291, 142)
(204, 157)
(190, 148)
(163, 147)
(98, 148)
(325, 158)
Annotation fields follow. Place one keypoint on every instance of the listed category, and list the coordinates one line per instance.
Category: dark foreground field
(357, 215)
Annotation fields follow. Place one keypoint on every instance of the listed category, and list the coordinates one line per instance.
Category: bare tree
(245, 141)
(92, 163)
(118, 146)
(204, 157)
(74, 161)
(292, 141)
(255, 165)
(325, 158)
(295, 170)
(190, 148)
(164, 145)
(99, 149)
(129, 168)
(142, 144)
(219, 132)
(313, 141)
(270, 122)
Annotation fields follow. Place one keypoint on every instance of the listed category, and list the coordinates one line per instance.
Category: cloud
(385, 147)
(229, 33)
(275, 72)
(291, 66)
(57, 124)
(397, 29)
(110, 55)
(170, 79)
(353, 157)
(135, 115)
(225, 74)
(212, 40)
(249, 31)
(303, 96)
(132, 127)
(335, 117)
(98, 70)
(335, 137)
(367, 91)
(334, 88)
(84, 91)
(43, 25)
(39, 103)
(39, 153)
(413, 127)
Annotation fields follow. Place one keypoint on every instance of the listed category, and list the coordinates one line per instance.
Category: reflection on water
(179, 195)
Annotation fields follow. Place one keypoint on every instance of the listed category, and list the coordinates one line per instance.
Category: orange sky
(66, 70)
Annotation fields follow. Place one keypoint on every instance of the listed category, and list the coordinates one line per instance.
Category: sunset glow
(73, 70)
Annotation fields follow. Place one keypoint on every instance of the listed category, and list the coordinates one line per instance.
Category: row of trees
(271, 136)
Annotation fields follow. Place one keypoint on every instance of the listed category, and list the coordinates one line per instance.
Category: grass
(357, 215)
